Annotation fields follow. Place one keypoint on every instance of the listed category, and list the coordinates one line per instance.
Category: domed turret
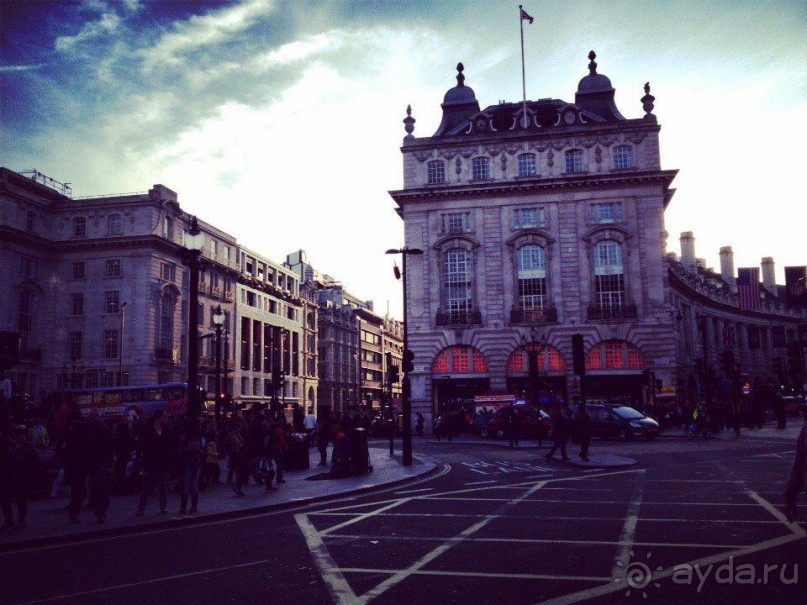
(458, 104)
(596, 94)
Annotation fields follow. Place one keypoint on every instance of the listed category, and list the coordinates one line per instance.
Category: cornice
(566, 182)
(266, 288)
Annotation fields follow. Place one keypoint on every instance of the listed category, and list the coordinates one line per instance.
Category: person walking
(280, 449)
(798, 476)
(24, 463)
(190, 459)
(583, 424)
(420, 422)
(559, 433)
(157, 453)
(99, 458)
(513, 426)
(211, 470)
(310, 424)
(323, 438)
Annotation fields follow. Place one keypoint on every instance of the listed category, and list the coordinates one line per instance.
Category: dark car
(534, 424)
(621, 422)
(479, 424)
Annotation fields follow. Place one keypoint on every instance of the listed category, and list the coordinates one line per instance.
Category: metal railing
(519, 315)
(471, 317)
(605, 313)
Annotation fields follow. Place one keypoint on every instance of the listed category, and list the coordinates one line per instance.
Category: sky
(280, 122)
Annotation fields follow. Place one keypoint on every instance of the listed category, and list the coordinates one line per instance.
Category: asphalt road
(692, 522)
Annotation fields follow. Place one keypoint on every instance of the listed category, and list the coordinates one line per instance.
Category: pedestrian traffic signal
(408, 361)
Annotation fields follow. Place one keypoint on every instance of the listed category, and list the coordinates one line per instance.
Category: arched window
(457, 285)
(615, 355)
(531, 261)
(25, 314)
(549, 359)
(574, 160)
(609, 279)
(79, 227)
(460, 359)
(436, 172)
(168, 304)
(114, 225)
(623, 156)
(480, 168)
(526, 164)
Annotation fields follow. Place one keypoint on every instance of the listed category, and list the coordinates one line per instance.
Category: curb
(172, 521)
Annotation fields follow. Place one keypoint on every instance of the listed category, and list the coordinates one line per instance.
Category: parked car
(479, 424)
(621, 422)
(534, 424)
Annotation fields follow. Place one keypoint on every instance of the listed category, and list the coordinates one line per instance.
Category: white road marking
(363, 516)
(415, 491)
(488, 482)
(340, 589)
(628, 530)
(473, 574)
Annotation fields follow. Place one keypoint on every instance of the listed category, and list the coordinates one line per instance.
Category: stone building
(539, 220)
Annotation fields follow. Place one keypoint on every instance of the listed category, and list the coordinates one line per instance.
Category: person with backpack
(190, 459)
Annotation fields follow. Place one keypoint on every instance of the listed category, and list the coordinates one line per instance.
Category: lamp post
(194, 241)
(120, 353)
(406, 387)
(218, 322)
(534, 346)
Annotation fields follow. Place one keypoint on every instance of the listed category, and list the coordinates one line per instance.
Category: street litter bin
(359, 452)
(297, 456)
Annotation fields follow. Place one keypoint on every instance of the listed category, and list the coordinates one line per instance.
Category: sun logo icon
(637, 574)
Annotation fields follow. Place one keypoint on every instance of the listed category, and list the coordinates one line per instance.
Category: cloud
(202, 31)
(10, 68)
(301, 49)
(107, 24)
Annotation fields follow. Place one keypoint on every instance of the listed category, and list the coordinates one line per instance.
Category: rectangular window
(79, 227)
(77, 270)
(168, 271)
(261, 271)
(609, 290)
(28, 267)
(111, 301)
(574, 160)
(256, 388)
(249, 266)
(113, 267)
(529, 218)
(77, 304)
(214, 248)
(114, 225)
(252, 299)
(246, 332)
(605, 212)
(526, 165)
(257, 354)
(623, 157)
(436, 172)
(111, 346)
(200, 319)
(226, 253)
(455, 222)
(244, 385)
(480, 168)
(168, 227)
(74, 345)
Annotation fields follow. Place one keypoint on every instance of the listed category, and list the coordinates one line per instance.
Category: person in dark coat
(88, 452)
(23, 463)
(559, 433)
(157, 451)
(513, 426)
(341, 463)
(798, 476)
(190, 459)
(583, 425)
(324, 428)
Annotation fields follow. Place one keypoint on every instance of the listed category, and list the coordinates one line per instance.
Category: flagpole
(523, 77)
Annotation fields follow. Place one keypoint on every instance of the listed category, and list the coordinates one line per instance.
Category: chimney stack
(688, 251)
(768, 275)
(727, 267)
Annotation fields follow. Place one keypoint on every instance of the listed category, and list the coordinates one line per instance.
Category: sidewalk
(48, 523)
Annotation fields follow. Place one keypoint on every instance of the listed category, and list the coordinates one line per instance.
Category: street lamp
(534, 347)
(406, 388)
(218, 322)
(194, 242)
(120, 353)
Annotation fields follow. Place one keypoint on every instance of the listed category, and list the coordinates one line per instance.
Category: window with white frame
(214, 248)
(623, 156)
(531, 262)
(112, 267)
(168, 271)
(168, 227)
(436, 172)
(529, 218)
(74, 340)
(114, 224)
(527, 165)
(574, 160)
(609, 281)
(605, 212)
(168, 304)
(79, 227)
(480, 168)
(457, 284)
(111, 301)
(455, 222)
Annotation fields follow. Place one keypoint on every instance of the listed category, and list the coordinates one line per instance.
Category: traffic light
(394, 375)
(578, 355)
(408, 361)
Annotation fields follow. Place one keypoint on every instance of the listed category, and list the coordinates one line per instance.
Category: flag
(525, 16)
(796, 286)
(748, 289)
